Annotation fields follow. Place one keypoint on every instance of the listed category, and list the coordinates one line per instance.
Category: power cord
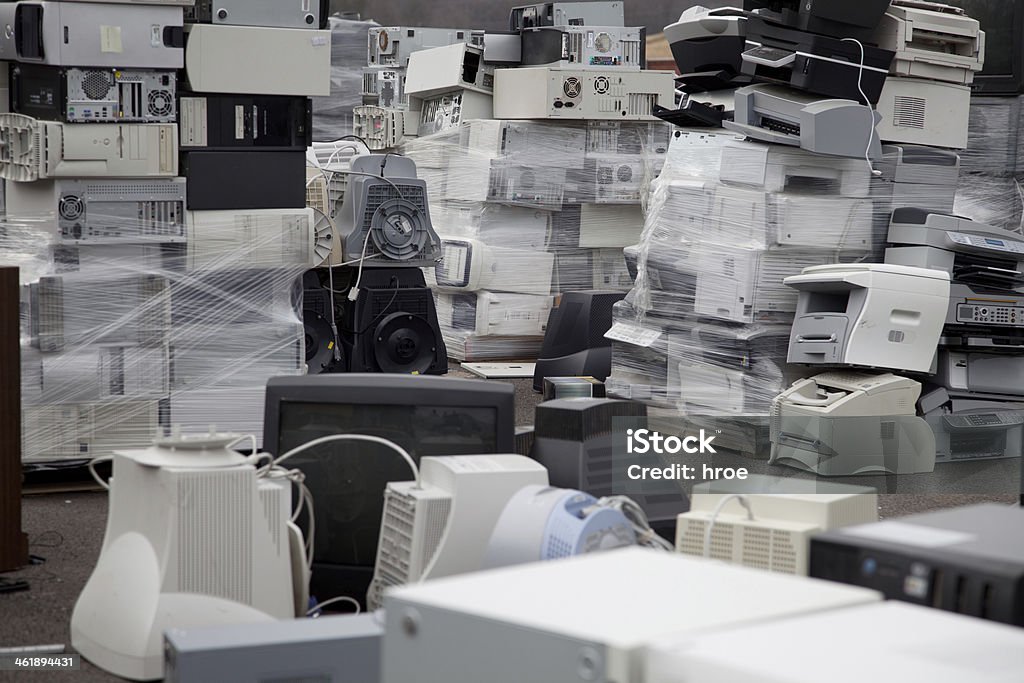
(314, 612)
(867, 103)
(718, 510)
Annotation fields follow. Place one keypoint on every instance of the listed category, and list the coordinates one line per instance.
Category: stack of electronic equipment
(706, 331)
(155, 165)
(532, 198)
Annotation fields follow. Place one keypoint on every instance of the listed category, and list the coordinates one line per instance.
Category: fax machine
(971, 252)
(869, 315)
(838, 127)
(973, 427)
(843, 423)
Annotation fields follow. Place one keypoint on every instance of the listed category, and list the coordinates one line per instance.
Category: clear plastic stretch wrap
(332, 116)
(127, 333)
(705, 330)
(992, 166)
(527, 211)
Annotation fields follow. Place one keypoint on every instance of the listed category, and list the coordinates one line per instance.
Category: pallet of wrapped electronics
(142, 332)
(704, 332)
(992, 166)
(332, 114)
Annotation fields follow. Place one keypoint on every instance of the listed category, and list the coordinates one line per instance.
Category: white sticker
(110, 39)
(319, 41)
(911, 534)
(192, 122)
(631, 334)
(240, 122)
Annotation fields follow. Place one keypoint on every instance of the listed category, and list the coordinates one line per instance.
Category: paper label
(631, 334)
(192, 122)
(240, 122)
(911, 534)
(110, 39)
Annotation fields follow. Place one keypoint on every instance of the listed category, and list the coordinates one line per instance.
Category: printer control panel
(1006, 246)
(984, 420)
(1008, 316)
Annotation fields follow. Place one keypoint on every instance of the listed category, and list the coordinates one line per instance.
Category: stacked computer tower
(156, 187)
(531, 199)
(834, 108)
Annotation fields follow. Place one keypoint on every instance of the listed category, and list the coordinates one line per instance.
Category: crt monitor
(427, 416)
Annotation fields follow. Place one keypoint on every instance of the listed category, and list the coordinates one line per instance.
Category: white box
(496, 225)
(393, 45)
(442, 70)
(469, 265)
(77, 431)
(255, 60)
(35, 150)
(582, 618)
(578, 94)
(267, 238)
(100, 372)
(920, 112)
(92, 34)
(494, 313)
(890, 641)
(232, 410)
(778, 168)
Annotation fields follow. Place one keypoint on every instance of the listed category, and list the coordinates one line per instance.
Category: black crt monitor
(1003, 23)
(427, 416)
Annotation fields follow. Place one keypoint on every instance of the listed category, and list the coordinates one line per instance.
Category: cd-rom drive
(106, 211)
(82, 95)
(242, 121)
(255, 60)
(278, 13)
(581, 94)
(245, 180)
(93, 34)
(34, 149)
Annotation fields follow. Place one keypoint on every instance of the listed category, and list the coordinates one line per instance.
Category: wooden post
(13, 542)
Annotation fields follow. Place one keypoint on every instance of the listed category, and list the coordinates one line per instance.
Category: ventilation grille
(215, 534)
(378, 193)
(572, 87)
(631, 51)
(574, 47)
(270, 500)
(161, 103)
(370, 83)
(909, 112)
(774, 550)
(169, 190)
(642, 104)
(97, 84)
(888, 431)
(160, 218)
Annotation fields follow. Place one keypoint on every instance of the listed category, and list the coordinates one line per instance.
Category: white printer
(932, 41)
(869, 315)
(774, 168)
(846, 423)
(973, 426)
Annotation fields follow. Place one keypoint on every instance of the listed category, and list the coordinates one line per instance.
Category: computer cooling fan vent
(399, 224)
(97, 84)
(161, 103)
(71, 207)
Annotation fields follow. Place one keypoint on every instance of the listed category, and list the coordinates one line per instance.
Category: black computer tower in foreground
(968, 560)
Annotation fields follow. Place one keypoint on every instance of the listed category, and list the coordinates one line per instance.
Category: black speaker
(574, 345)
(323, 353)
(392, 325)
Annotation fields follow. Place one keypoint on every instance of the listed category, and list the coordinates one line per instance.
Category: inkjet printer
(837, 127)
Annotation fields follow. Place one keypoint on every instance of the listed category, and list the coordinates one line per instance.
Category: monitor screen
(347, 478)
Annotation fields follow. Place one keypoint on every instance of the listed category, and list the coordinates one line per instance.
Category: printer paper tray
(989, 276)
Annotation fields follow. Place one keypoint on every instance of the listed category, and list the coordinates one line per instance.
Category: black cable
(354, 137)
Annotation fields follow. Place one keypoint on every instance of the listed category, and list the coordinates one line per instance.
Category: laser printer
(851, 423)
(782, 169)
(837, 127)
(914, 176)
(971, 426)
(932, 41)
(832, 67)
(971, 252)
(868, 315)
(707, 45)
(922, 112)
